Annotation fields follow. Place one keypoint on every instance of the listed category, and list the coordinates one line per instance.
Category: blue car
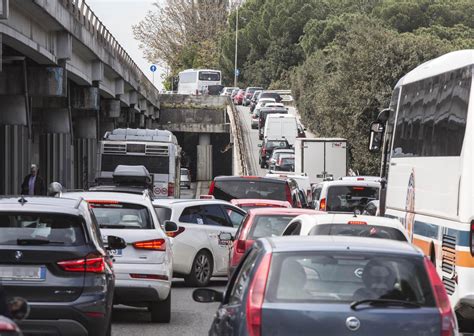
(332, 285)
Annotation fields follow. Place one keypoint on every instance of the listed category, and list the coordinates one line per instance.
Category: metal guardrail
(239, 145)
(84, 14)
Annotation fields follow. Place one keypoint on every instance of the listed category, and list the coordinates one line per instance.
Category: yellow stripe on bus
(463, 258)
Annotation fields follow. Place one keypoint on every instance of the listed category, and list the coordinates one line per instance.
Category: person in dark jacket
(33, 184)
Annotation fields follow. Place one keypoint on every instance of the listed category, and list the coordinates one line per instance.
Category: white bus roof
(194, 70)
(137, 134)
(448, 62)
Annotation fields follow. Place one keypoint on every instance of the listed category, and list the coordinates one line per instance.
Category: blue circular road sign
(153, 68)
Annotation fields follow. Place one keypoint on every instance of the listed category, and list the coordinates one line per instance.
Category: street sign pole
(153, 69)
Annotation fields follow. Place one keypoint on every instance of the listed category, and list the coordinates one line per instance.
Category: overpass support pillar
(85, 103)
(204, 158)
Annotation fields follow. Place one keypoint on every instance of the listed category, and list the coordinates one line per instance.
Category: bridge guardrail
(239, 146)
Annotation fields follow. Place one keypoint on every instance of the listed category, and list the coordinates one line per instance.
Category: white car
(275, 105)
(262, 102)
(144, 269)
(346, 225)
(344, 195)
(275, 155)
(198, 251)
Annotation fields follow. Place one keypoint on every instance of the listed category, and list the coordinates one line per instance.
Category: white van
(281, 126)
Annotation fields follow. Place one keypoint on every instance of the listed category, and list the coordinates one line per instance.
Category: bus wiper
(32, 241)
(385, 303)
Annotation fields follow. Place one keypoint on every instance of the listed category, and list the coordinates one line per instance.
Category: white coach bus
(157, 150)
(195, 81)
(427, 141)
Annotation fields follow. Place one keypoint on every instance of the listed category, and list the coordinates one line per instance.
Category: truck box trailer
(321, 158)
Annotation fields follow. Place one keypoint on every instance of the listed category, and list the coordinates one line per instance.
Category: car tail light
(154, 244)
(211, 187)
(256, 296)
(358, 188)
(88, 265)
(360, 179)
(448, 322)
(240, 246)
(170, 189)
(288, 194)
(357, 223)
(472, 238)
(8, 326)
(175, 233)
(322, 204)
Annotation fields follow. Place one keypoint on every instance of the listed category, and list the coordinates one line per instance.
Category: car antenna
(22, 200)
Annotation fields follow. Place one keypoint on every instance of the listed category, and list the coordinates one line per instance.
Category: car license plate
(22, 273)
(116, 253)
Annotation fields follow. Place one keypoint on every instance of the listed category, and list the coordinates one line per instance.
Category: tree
(340, 88)
(183, 33)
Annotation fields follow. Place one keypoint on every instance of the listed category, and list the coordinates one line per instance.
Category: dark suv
(228, 188)
(51, 254)
(266, 150)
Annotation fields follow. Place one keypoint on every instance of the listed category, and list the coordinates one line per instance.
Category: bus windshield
(154, 164)
(211, 76)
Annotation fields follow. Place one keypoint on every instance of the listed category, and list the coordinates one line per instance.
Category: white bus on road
(157, 150)
(428, 151)
(195, 81)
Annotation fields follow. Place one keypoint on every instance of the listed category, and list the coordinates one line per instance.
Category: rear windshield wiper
(33, 241)
(385, 303)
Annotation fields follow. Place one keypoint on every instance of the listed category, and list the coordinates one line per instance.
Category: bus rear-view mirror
(376, 136)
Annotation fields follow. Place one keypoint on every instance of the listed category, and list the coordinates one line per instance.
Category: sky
(119, 16)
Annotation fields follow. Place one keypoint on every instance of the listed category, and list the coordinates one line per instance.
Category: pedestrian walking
(33, 184)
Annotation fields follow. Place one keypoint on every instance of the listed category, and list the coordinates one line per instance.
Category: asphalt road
(188, 318)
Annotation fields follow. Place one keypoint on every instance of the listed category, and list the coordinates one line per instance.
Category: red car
(239, 97)
(247, 204)
(259, 223)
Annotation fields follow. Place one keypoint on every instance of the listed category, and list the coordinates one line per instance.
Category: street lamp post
(236, 42)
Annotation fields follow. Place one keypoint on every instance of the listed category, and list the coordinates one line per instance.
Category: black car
(309, 286)
(267, 147)
(52, 254)
(228, 188)
(262, 118)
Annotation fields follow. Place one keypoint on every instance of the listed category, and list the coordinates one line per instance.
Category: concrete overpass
(64, 81)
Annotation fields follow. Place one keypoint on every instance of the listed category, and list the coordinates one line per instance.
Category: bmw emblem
(352, 323)
(18, 255)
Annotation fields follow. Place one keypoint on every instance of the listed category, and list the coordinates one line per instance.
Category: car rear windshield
(118, 215)
(209, 76)
(154, 164)
(250, 188)
(276, 144)
(269, 226)
(274, 95)
(163, 214)
(41, 229)
(371, 231)
(347, 277)
(350, 198)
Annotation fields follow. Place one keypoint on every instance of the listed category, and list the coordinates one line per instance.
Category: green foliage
(342, 58)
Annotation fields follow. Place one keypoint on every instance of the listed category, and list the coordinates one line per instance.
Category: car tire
(262, 164)
(201, 270)
(161, 310)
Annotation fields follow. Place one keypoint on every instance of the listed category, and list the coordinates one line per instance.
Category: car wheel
(262, 164)
(161, 310)
(201, 271)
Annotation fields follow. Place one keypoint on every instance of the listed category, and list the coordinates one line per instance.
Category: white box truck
(321, 158)
(281, 126)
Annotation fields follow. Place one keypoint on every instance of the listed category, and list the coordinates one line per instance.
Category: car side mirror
(376, 136)
(19, 308)
(225, 237)
(206, 295)
(115, 243)
(170, 226)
